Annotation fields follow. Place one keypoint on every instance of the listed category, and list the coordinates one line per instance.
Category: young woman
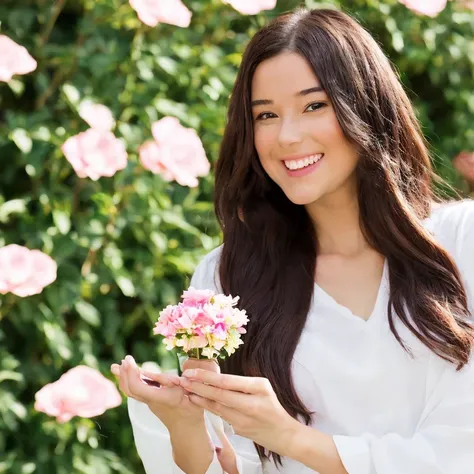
(358, 282)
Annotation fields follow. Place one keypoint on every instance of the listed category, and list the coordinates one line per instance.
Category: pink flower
(82, 391)
(25, 272)
(168, 321)
(97, 115)
(177, 153)
(203, 319)
(464, 164)
(251, 7)
(193, 297)
(220, 331)
(152, 12)
(425, 7)
(95, 153)
(14, 59)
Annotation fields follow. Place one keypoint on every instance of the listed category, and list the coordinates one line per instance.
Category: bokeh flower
(96, 115)
(464, 164)
(82, 391)
(25, 272)
(176, 154)
(251, 7)
(426, 7)
(95, 153)
(14, 59)
(152, 12)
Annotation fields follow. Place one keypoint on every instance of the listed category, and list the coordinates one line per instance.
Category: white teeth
(298, 164)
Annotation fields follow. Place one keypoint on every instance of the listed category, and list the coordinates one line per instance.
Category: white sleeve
(151, 435)
(443, 442)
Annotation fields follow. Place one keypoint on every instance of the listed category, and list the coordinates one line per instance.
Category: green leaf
(62, 221)
(88, 313)
(15, 206)
(22, 140)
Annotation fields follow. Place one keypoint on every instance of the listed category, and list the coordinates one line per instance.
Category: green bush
(126, 245)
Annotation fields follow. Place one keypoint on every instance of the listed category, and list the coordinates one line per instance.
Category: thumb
(167, 380)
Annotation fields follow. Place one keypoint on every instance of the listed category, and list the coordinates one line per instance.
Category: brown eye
(263, 116)
(319, 105)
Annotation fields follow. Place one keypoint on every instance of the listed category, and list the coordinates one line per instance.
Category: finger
(229, 398)
(140, 390)
(226, 413)
(123, 380)
(211, 365)
(226, 456)
(236, 383)
(167, 380)
(115, 369)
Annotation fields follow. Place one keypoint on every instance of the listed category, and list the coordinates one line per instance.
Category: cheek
(264, 139)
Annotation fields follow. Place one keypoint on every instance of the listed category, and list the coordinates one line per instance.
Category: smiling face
(298, 139)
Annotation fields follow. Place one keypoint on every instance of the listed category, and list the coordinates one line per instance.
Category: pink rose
(464, 163)
(425, 7)
(177, 153)
(95, 153)
(96, 115)
(251, 7)
(14, 59)
(25, 272)
(152, 12)
(82, 391)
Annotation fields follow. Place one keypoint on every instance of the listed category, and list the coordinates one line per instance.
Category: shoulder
(206, 274)
(453, 225)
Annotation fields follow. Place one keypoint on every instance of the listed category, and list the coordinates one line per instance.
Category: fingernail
(189, 373)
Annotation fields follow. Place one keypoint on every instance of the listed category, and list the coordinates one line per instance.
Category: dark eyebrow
(298, 94)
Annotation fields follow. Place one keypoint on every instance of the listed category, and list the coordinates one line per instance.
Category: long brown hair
(270, 245)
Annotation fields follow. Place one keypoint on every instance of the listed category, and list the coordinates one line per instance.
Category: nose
(290, 133)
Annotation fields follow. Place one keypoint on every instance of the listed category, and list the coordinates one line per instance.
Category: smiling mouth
(295, 165)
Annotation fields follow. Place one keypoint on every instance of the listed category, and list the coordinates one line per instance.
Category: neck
(336, 220)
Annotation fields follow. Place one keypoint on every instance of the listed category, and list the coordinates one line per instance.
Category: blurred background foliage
(125, 246)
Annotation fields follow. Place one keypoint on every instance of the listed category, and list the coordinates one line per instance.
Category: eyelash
(259, 117)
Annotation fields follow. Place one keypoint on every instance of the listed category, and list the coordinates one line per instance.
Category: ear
(240, 213)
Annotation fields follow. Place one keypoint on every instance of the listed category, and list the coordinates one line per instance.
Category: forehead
(283, 75)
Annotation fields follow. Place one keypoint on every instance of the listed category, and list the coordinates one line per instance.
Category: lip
(303, 171)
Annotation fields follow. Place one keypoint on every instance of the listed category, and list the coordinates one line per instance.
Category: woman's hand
(169, 401)
(249, 404)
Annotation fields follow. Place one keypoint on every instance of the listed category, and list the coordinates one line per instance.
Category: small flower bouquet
(204, 325)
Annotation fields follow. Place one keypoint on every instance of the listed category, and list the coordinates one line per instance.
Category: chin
(302, 199)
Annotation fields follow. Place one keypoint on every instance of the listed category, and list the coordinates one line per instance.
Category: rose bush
(111, 115)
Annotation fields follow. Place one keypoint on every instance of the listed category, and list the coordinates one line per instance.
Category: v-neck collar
(320, 295)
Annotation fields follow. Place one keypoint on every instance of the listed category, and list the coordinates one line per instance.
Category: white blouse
(388, 413)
